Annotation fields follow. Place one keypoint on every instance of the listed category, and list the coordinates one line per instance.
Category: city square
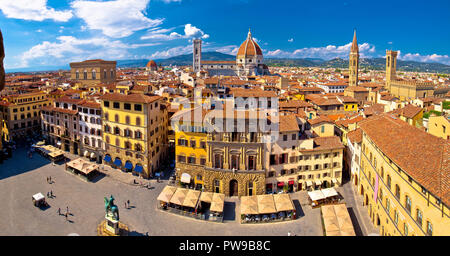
(85, 201)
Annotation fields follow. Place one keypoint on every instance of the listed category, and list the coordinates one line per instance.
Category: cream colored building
(439, 126)
(91, 72)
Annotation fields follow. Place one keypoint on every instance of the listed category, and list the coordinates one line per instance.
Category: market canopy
(206, 197)
(283, 202)
(117, 162)
(316, 195)
(82, 165)
(218, 200)
(179, 196)
(128, 165)
(308, 183)
(337, 221)
(191, 199)
(138, 168)
(249, 205)
(266, 204)
(107, 158)
(166, 194)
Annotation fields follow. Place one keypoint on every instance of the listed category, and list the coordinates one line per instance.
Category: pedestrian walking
(125, 204)
(67, 209)
(59, 211)
(51, 193)
(66, 215)
(128, 203)
(48, 194)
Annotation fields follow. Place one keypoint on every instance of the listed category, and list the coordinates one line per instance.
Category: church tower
(353, 64)
(197, 55)
(391, 67)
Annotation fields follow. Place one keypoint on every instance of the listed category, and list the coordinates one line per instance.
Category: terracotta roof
(60, 110)
(356, 89)
(294, 104)
(249, 48)
(320, 119)
(426, 158)
(136, 98)
(327, 143)
(408, 111)
(346, 122)
(375, 109)
(240, 92)
(67, 99)
(355, 135)
(288, 123)
(90, 104)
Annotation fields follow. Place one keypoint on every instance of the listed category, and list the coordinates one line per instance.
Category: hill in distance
(186, 60)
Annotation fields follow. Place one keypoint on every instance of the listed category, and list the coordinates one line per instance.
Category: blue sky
(55, 32)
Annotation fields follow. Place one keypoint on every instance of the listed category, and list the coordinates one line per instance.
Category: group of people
(65, 214)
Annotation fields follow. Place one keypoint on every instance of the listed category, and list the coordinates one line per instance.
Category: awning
(86, 153)
(157, 174)
(118, 162)
(191, 199)
(280, 184)
(218, 200)
(308, 183)
(128, 165)
(329, 192)
(107, 158)
(291, 182)
(185, 178)
(92, 155)
(316, 195)
(206, 197)
(166, 194)
(318, 182)
(249, 205)
(283, 202)
(138, 168)
(266, 204)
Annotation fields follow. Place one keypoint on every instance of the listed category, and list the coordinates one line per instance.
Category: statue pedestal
(112, 225)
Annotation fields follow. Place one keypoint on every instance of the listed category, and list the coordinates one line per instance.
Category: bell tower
(391, 67)
(353, 64)
(197, 55)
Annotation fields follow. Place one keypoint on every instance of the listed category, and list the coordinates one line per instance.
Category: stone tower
(353, 64)
(197, 55)
(391, 67)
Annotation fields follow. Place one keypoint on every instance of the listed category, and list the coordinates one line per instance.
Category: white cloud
(117, 18)
(229, 49)
(162, 33)
(36, 10)
(69, 48)
(171, 1)
(445, 59)
(179, 50)
(291, 40)
(327, 52)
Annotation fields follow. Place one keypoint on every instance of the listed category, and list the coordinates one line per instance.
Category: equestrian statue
(111, 209)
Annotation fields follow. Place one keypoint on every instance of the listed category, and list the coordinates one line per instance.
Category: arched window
(77, 75)
(382, 172)
(388, 205)
(137, 134)
(127, 145)
(137, 147)
(138, 121)
(419, 217)
(116, 131)
(397, 191)
(107, 116)
(408, 203)
(405, 229)
(94, 74)
(117, 142)
(92, 131)
(85, 75)
(127, 119)
(116, 118)
(92, 120)
(107, 139)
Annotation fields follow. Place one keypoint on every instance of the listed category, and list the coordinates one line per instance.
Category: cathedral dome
(151, 64)
(249, 48)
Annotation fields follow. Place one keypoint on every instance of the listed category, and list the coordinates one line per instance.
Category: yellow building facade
(439, 126)
(401, 179)
(135, 132)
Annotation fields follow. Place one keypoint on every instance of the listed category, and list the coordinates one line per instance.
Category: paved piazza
(22, 177)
